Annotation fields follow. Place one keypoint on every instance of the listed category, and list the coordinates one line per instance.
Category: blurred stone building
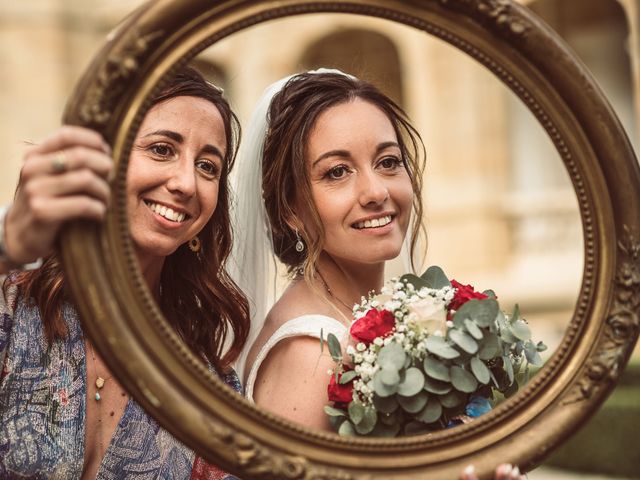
(500, 210)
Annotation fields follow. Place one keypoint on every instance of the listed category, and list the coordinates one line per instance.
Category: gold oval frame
(160, 372)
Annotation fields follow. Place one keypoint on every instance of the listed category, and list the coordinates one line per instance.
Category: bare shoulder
(295, 365)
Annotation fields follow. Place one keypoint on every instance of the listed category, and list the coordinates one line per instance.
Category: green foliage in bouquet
(414, 379)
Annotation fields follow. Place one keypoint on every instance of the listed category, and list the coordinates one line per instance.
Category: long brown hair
(199, 299)
(285, 176)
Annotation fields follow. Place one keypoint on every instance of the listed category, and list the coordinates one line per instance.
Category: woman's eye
(337, 172)
(208, 167)
(161, 150)
(390, 162)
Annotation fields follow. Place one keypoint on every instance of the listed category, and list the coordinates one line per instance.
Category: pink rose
(376, 323)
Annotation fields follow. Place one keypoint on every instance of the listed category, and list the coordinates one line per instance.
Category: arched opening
(366, 54)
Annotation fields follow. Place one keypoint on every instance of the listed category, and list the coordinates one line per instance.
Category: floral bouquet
(429, 353)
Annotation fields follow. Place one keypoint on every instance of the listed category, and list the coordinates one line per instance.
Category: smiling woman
(85, 425)
(341, 172)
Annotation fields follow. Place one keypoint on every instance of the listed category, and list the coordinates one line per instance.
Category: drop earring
(194, 244)
(299, 242)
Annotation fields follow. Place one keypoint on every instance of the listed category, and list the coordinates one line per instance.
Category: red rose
(338, 393)
(464, 293)
(376, 323)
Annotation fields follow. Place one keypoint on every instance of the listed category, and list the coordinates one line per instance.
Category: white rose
(430, 314)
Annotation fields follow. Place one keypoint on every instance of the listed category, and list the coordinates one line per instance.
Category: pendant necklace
(100, 381)
(326, 287)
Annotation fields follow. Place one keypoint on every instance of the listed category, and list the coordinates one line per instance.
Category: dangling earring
(194, 244)
(299, 242)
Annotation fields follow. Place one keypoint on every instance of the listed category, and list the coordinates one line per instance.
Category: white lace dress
(304, 326)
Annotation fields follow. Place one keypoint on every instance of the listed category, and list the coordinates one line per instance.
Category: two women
(62, 412)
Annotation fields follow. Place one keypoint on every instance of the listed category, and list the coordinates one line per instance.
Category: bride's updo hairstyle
(285, 177)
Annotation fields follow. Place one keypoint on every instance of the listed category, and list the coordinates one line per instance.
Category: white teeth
(376, 222)
(167, 213)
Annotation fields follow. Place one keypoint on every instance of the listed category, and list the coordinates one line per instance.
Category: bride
(341, 175)
(341, 170)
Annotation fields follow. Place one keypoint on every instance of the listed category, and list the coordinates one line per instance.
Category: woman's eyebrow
(385, 145)
(212, 150)
(331, 153)
(166, 133)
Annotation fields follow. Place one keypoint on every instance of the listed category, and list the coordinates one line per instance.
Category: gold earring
(194, 244)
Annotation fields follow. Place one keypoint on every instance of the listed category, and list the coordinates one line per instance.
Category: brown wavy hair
(199, 298)
(285, 177)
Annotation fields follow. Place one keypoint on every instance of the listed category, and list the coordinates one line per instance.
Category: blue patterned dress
(43, 405)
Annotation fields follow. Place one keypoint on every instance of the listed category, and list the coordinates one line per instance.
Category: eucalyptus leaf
(385, 404)
(439, 347)
(436, 369)
(508, 367)
(394, 418)
(507, 336)
(412, 383)
(334, 348)
(348, 376)
(368, 422)
(392, 356)
(532, 355)
(335, 422)
(480, 370)
(380, 388)
(516, 313)
(473, 329)
(490, 347)
(452, 399)
(541, 347)
(437, 387)
(356, 412)
(435, 278)
(490, 293)
(416, 428)
(431, 412)
(334, 412)
(391, 378)
(385, 430)
(346, 429)
(463, 380)
(415, 403)
(414, 280)
(463, 340)
(483, 312)
(521, 330)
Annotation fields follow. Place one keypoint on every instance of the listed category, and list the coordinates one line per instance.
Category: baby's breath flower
(378, 341)
(361, 347)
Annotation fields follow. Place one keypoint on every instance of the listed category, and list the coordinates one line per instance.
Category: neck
(349, 282)
(151, 271)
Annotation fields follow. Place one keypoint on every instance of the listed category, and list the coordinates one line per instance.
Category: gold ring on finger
(59, 162)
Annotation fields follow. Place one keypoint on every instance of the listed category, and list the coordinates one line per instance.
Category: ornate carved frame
(137, 343)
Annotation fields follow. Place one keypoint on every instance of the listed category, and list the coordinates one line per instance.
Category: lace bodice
(304, 326)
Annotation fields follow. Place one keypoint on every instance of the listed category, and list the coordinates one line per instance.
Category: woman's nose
(183, 178)
(372, 189)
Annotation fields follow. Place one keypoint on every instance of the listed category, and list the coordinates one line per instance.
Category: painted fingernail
(515, 473)
(469, 470)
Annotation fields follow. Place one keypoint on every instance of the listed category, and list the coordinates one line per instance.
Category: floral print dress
(43, 405)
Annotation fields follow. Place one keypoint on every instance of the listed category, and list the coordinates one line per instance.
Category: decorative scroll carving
(104, 94)
(621, 326)
(261, 463)
(500, 12)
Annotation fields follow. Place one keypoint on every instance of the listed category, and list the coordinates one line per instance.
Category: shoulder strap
(304, 326)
